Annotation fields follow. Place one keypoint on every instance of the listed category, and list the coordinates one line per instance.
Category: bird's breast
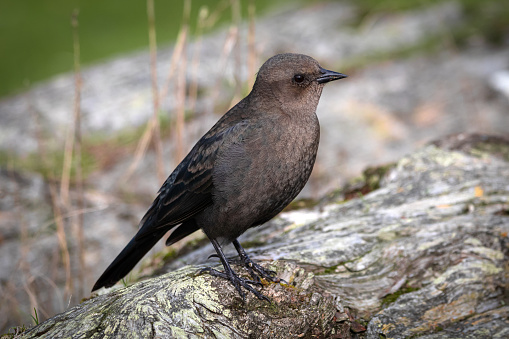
(262, 172)
(283, 165)
(293, 154)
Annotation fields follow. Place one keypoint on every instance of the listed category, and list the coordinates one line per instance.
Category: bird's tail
(127, 259)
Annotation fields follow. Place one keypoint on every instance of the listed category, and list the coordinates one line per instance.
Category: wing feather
(188, 190)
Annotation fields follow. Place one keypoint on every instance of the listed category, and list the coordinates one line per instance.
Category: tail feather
(126, 260)
(182, 231)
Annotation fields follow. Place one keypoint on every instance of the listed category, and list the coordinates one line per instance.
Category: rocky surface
(424, 255)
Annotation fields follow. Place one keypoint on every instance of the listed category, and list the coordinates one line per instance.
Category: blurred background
(99, 101)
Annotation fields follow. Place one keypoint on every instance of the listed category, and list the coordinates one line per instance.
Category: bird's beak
(329, 76)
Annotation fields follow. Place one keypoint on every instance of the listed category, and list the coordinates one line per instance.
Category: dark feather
(182, 231)
(186, 192)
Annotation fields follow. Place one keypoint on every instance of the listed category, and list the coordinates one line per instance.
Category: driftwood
(424, 254)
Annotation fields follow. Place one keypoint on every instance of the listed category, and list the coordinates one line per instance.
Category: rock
(423, 255)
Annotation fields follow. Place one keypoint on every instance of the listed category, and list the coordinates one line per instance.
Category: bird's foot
(256, 271)
(237, 282)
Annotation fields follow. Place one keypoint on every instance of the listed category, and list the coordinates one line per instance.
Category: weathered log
(180, 305)
(425, 254)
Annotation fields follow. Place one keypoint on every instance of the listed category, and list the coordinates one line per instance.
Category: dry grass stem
(152, 131)
(24, 249)
(229, 43)
(236, 19)
(140, 151)
(251, 47)
(27, 286)
(176, 61)
(214, 16)
(181, 85)
(10, 303)
(156, 132)
(176, 56)
(67, 164)
(80, 204)
(193, 87)
(62, 239)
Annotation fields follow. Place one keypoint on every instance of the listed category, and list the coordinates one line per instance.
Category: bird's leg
(251, 266)
(230, 275)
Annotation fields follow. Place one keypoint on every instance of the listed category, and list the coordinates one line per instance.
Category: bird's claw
(252, 267)
(236, 281)
(266, 274)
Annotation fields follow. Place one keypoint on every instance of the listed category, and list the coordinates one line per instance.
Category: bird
(245, 170)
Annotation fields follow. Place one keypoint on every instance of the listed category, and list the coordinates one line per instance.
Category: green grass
(35, 317)
(36, 36)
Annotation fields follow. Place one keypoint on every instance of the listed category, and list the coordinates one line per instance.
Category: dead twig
(62, 239)
(236, 19)
(80, 204)
(156, 131)
(181, 86)
(251, 47)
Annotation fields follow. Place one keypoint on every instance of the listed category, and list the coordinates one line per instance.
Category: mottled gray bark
(182, 305)
(424, 255)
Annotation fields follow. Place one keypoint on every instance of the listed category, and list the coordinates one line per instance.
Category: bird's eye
(298, 78)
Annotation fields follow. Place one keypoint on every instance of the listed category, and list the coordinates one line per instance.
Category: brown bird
(249, 166)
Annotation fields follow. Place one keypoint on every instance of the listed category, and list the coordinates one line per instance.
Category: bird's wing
(188, 190)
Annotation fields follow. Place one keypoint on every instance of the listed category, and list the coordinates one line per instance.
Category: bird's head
(295, 81)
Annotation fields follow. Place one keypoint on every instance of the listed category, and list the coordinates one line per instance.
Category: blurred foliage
(486, 20)
(100, 150)
(37, 42)
(36, 36)
(51, 167)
